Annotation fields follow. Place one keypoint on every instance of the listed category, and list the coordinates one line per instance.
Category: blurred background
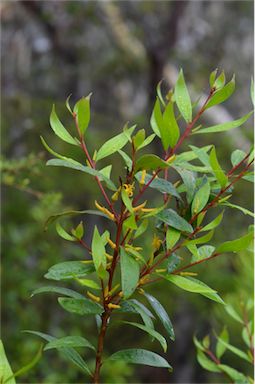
(119, 51)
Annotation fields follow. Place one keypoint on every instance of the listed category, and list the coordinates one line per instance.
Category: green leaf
(140, 356)
(173, 262)
(6, 373)
(189, 285)
(52, 218)
(130, 222)
(68, 269)
(88, 283)
(213, 224)
(171, 129)
(80, 306)
(126, 158)
(202, 253)
(138, 139)
(217, 170)
(236, 245)
(201, 239)
(220, 81)
(213, 77)
(151, 332)
(162, 315)
(201, 198)
(232, 312)
(83, 168)
(242, 209)
(221, 348)
(129, 268)
(50, 150)
(68, 104)
(98, 252)
(193, 285)
(172, 236)
(198, 344)
(61, 290)
(159, 184)
(26, 367)
(126, 200)
(222, 94)
(189, 155)
(78, 232)
(238, 377)
(69, 353)
(237, 156)
(141, 229)
(62, 233)
(59, 129)
(225, 126)
(147, 141)
(82, 110)
(201, 155)
(207, 364)
(159, 93)
(144, 312)
(189, 181)
(182, 98)
(170, 217)
(150, 162)
(235, 350)
(114, 144)
(156, 118)
(67, 342)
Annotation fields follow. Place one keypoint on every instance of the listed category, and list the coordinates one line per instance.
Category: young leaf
(201, 198)
(217, 170)
(114, 144)
(151, 332)
(62, 233)
(156, 118)
(129, 268)
(147, 141)
(150, 162)
(67, 342)
(5, 369)
(221, 348)
(222, 94)
(80, 306)
(201, 239)
(206, 363)
(213, 224)
(138, 139)
(182, 98)
(171, 132)
(220, 81)
(126, 200)
(235, 350)
(213, 77)
(68, 269)
(82, 110)
(60, 290)
(162, 315)
(141, 229)
(83, 168)
(140, 356)
(59, 129)
(170, 217)
(69, 353)
(98, 252)
(159, 93)
(225, 126)
(78, 232)
(236, 245)
(172, 236)
(202, 252)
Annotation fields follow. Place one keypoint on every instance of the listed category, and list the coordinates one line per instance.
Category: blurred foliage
(51, 49)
